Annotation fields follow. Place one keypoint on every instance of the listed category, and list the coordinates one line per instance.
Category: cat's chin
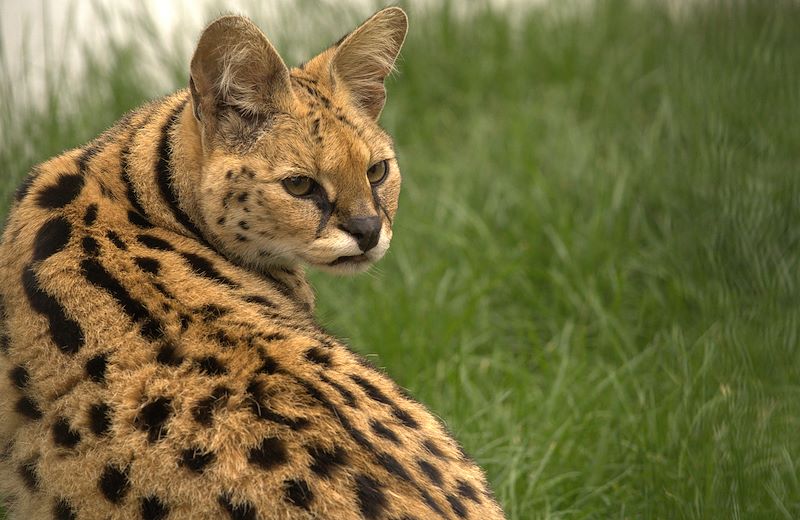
(347, 265)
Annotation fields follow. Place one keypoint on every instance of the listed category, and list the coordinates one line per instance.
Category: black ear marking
(195, 100)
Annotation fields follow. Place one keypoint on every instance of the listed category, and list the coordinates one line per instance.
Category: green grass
(595, 277)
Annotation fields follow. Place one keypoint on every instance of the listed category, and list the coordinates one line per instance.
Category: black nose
(365, 230)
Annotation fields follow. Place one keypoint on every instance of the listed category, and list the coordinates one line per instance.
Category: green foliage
(594, 278)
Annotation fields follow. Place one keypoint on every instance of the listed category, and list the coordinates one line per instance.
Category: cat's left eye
(299, 186)
(377, 172)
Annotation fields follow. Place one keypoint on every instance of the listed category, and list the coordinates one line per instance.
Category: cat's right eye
(299, 185)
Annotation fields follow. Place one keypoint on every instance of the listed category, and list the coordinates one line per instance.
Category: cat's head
(295, 166)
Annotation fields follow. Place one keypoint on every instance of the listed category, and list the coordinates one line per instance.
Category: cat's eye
(299, 185)
(377, 172)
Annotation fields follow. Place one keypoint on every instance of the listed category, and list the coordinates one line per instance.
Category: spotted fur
(160, 359)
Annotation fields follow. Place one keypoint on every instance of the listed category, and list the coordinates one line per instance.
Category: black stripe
(65, 332)
(164, 174)
(97, 275)
(97, 145)
(205, 268)
(123, 164)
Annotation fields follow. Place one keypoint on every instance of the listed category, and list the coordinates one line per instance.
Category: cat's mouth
(354, 259)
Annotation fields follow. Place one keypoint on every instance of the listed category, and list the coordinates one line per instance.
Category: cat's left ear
(363, 59)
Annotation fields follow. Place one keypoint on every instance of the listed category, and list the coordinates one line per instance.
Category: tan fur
(160, 358)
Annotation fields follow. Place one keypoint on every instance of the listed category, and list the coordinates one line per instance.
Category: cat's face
(296, 168)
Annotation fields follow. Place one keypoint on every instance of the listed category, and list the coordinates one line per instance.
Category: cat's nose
(366, 231)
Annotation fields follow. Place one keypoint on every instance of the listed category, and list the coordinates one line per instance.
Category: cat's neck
(163, 167)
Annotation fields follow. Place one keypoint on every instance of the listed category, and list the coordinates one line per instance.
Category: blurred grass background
(594, 279)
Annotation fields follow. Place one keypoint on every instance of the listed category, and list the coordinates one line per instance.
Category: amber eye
(377, 172)
(299, 185)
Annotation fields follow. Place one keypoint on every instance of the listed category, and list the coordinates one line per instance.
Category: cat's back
(147, 376)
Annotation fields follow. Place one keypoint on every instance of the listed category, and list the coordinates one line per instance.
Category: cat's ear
(363, 58)
(236, 73)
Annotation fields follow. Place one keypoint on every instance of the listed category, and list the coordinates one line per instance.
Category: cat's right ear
(237, 78)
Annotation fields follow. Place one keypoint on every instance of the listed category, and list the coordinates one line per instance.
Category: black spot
(26, 184)
(431, 471)
(90, 246)
(158, 286)
(19, 376)
(185, 322)
(5, 342)
(242, 511)
(100, 418)
(229, 174)
(61, 193)
(152, 416)
(269, 454)
(114, 483)
(196, 459)
(371, 500)
(242, 197)
(96, 368)
(203, 412)
(62, 510)
(248, 172)
(274, 336)
(347, 395)
(91, 214)
(223, 339)
(316, 355)
(116, 240)
(156, 243)
(256, 399)
(211, 366)
(5, 450)
(260, 300)
(168, 355)
(433, 449)
(457, 506)
(298, 493)
(431, 502)
(66, 333)
(244, 225)
(393, 466)
(153, 508)
(136, 218)
(147, 264)
(51, 238)
(382, 431)
(64, 435)
(151, 329)
(467, 491)
(88, 153)
(203, 267)
(371, 390)
(221, 221)
(326, 461)
(29, 475)
(268, 365)
(405, 418)
(211, 311)
(28, 407)
(376, 394)
(241, 238)
(96, 274)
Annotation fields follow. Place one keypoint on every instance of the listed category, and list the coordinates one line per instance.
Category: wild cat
(160, 356)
